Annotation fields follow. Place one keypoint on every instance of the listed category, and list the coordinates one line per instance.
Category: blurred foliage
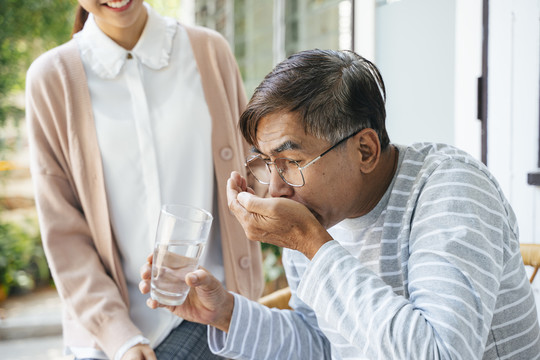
(28, 28)
(169, 8)
(23, 266)
(272, 266)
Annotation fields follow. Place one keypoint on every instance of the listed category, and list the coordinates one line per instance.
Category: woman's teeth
(118, 4)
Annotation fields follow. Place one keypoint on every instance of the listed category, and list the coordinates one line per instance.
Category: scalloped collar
(106, 58)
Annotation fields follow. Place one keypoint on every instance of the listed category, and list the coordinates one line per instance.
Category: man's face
(331, 184)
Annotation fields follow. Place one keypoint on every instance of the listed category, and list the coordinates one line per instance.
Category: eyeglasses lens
(258, 168)
(287, 169)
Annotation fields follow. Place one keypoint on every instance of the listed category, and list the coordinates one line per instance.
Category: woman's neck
(126, 37)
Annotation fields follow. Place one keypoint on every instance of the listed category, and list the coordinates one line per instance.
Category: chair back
(278, 299)
(531, 257)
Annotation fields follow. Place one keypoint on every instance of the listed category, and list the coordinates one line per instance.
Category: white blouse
(154, 133)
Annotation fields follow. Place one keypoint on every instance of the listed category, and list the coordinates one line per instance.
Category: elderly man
(391, 251)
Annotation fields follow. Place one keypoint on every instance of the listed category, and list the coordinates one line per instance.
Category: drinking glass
(181, 235)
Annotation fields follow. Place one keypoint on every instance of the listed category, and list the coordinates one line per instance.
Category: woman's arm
(90, 296)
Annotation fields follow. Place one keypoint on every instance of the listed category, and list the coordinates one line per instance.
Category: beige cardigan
(70, 192)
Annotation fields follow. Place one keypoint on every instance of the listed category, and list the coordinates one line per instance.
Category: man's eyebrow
(287, 145)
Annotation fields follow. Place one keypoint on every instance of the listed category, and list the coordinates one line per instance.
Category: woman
(135, 111)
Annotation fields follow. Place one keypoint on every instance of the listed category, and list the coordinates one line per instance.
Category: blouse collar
(106, 58)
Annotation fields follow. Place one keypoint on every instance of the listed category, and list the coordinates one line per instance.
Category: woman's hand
(139, 352)
(207, 302)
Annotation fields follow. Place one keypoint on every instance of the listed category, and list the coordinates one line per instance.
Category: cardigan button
(244, 262)
(226, 153)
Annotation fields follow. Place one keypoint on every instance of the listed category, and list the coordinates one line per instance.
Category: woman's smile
(118, 5)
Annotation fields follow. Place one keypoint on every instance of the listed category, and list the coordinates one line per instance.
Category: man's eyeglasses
(289, 170)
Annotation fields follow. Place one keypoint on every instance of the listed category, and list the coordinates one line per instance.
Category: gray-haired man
(391, 251)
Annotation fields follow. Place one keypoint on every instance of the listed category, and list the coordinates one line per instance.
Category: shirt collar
(106, 58)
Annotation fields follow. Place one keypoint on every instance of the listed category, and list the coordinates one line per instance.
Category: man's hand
(207, 302)
(279, 221)
(140, 352)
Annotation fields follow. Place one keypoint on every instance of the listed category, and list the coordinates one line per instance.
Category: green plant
(272, 267)
(29, 27)
(22, 261)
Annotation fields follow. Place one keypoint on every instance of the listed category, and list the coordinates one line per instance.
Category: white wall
(429, 53)
(468, 68)
(514, 46)
(414, 50)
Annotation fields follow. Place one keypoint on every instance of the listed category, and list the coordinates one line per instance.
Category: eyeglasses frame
(269, 163)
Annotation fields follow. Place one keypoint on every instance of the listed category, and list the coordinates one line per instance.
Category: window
(262, 33)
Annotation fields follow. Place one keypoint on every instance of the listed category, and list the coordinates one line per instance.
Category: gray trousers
(186, 342)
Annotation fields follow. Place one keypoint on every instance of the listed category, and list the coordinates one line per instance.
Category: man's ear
(369, 149)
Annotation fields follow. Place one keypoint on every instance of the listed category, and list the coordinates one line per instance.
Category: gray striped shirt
(434, 271)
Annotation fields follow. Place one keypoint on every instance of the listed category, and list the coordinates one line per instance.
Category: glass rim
(167, 209)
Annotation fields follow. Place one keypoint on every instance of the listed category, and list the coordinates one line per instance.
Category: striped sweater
(434, 271)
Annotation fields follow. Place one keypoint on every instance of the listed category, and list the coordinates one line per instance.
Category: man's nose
(278, 187)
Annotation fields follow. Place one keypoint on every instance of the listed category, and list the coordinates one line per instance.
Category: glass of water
(181, 235)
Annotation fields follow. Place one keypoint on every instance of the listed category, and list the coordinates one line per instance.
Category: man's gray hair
(333, 93)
